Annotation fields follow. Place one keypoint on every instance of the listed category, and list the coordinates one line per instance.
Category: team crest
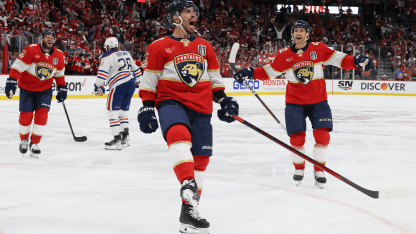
(303, 71)
(22, 55)
(55, 61)
(186, 42)
(44, 70)
(190, 68)
(202, 50)
(313, 55)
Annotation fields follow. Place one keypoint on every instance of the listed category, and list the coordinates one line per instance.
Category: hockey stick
(77, 139)
(391, 193)
(231, 61)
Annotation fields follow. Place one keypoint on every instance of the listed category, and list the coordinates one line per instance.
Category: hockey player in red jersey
(34, 71)
(306, 92)
(182, 79)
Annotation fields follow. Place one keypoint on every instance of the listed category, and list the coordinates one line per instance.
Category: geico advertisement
(270, 86)
(366, 86)
(77, 85)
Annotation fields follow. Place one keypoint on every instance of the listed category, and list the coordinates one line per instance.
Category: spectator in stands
(19, 41)
(70, 60)
(406, 71)
(413, 72)
(374, 71)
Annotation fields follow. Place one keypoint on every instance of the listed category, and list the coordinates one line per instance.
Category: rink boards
(83, 87)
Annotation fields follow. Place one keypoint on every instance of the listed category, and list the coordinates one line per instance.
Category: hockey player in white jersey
(119, 72)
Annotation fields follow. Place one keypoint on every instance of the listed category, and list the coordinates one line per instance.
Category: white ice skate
(298, 176)
(320, 179)
(189, 192)
(191, 222)
(125, 139)
(34, 150)
(23, 146)
(114, 144)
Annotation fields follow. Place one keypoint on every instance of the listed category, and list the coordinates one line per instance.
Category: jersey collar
(191, 39)
(292, 47)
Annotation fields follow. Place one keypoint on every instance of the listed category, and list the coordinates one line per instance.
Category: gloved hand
(62, 92)
(99, 90)
(137, 85)
(11, 86)
(147, 119)
(228, 105)
(246, 73)
(362, 61)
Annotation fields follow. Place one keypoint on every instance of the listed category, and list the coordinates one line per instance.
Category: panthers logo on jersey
(44, 70)
(303, 71)
(190, 68)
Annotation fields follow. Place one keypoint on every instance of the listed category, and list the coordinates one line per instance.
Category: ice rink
(82, 188)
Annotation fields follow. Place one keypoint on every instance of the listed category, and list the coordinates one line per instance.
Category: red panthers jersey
(185, 70)
(303, 68)
(34, 69)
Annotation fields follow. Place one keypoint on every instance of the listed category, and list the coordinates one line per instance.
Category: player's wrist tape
(146, 108)
(62, 89)
(11, 81)
(149, 103)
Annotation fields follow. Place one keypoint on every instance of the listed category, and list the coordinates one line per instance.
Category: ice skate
(191, 222)
(125, 139)
(298, 176)
(114, 144)
(320, 179)
(34, 150)
(189, 192)
(23, 146)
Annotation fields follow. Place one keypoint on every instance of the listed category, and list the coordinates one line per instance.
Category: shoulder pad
(108, 53)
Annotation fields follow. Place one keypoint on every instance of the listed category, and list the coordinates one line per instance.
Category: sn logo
(345, 83)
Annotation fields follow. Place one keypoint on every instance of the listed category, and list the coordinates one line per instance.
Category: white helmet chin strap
(180, 25)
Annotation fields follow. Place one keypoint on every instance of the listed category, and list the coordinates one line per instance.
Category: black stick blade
(80, 139)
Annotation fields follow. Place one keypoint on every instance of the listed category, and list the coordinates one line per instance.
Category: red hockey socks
(25, 121)
(179, 142)
(201, 163)
(320, 150)
(41, 118)
(297, 140)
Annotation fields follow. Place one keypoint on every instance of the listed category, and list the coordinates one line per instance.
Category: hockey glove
(137, 85)
(11, 86)
(147, 119)
(246, 73)
(228, 106)
(62, 92)
(363, 62)
(99, 90)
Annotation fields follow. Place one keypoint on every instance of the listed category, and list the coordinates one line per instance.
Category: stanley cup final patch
(303, 71)
(190, 68)
(313, 55)
(202, 50)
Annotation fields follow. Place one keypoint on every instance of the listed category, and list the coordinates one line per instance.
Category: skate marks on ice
(83, 188)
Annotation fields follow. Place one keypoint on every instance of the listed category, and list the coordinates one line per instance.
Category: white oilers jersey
(117, 67)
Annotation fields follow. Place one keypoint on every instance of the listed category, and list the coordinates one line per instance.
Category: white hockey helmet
(110, 43)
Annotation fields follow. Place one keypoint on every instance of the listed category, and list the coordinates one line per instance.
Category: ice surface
(82, 188)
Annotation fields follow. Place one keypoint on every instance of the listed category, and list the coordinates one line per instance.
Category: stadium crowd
(384, 31)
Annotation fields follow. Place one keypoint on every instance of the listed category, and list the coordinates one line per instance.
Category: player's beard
(45, 46)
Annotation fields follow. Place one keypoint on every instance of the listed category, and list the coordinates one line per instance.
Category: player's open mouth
(192, 23)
